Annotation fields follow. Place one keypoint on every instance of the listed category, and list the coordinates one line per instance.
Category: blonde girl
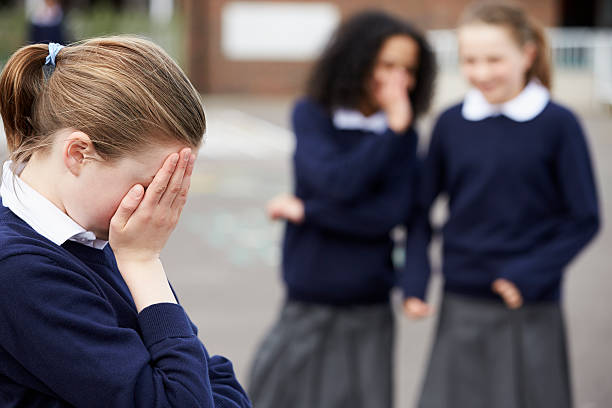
(102, 138)
(522, 204)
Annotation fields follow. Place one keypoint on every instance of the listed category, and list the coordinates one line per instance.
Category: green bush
(106, 21)
(12, 31)
(93, 22)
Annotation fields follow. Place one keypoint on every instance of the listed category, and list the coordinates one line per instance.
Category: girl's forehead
(153, 155)
(485, 37)
(399, 46)
(399, 41)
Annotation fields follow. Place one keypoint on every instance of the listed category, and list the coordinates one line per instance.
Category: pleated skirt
(319, 356)
(488, 356)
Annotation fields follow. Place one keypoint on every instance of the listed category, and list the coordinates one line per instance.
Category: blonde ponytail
(21, 84)
(123, 92)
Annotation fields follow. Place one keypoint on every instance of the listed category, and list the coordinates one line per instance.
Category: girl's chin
(494, 96)
(499, 94)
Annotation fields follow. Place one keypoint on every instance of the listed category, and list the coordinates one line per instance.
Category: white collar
(349, 119)
(525, 106)
(40, 213)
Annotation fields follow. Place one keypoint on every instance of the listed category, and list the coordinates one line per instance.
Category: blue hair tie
(49, 66)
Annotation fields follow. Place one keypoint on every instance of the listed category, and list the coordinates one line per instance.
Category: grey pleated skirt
(317, 356)
(488, 356)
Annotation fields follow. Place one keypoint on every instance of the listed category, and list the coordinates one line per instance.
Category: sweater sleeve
(62, 331)
(542, 267)
(414, 276)
(376, 213)
(323, 168)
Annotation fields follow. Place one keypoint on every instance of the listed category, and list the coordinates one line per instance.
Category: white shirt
(350, 119)
(525, 106)
(40, 213)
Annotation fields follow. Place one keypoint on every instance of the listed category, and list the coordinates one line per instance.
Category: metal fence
(577, 49)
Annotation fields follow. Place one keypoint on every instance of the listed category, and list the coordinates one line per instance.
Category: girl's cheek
(109, 210)
(378, 77)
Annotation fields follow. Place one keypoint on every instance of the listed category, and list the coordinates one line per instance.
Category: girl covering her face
(102, 136)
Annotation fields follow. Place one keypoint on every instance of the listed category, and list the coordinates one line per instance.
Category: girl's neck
(514, 94)
(41, 174)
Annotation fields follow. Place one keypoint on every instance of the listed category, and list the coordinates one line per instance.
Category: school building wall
(213, 23)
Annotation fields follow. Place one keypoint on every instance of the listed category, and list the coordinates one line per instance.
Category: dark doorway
(586, 13)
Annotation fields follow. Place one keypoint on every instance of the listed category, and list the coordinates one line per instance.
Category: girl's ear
(76, 149)
(530, 52)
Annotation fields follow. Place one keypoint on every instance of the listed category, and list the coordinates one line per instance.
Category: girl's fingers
(415, 308)
(176, 181)
(514, 304)
(271, 212)
(296, 211)
(158, 186)
(513, 299)
(127, 206)
(275, 206)
(499, 285)
(508, 292)
(181, 198)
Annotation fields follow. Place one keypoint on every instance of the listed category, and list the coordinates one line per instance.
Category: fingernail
(136, 191)
(174, 159)
(186, 155)
(192, 158)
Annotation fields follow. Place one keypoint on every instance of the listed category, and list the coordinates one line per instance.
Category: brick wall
(212, 72)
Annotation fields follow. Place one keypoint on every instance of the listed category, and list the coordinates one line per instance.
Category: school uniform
(522, 204)
(332, 345)
(71, 335)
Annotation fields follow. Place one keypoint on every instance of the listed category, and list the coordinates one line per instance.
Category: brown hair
(123, 92)
(522, 27)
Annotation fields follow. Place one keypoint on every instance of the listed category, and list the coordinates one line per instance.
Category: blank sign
(276, 31)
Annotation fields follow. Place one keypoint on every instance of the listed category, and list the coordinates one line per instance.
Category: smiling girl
(522, 205)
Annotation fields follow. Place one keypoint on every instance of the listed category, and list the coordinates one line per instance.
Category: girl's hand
(142, 224)
(144, 220)
(415, 308)
(392, 96)
(508, 292)
(286, 206)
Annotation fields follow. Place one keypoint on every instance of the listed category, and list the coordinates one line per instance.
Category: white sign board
(276, 31)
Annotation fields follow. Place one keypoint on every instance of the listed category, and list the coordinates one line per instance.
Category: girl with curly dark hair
(354, 166)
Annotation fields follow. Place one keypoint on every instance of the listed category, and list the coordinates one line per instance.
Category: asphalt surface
(223, 257)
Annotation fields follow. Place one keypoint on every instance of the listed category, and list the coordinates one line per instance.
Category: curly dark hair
(339, 78)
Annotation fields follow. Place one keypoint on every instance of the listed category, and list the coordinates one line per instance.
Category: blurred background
(250, 59)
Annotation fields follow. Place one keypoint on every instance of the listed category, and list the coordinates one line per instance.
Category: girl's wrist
(399, 124)
(399, 118)
(134, 258)
(147, 282)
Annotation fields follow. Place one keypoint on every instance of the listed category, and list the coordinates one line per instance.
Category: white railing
(602, 67)
(579, 49)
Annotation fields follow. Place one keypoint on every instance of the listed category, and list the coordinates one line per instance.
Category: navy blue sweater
(71, 336)
(356, 186)
(522, 203)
